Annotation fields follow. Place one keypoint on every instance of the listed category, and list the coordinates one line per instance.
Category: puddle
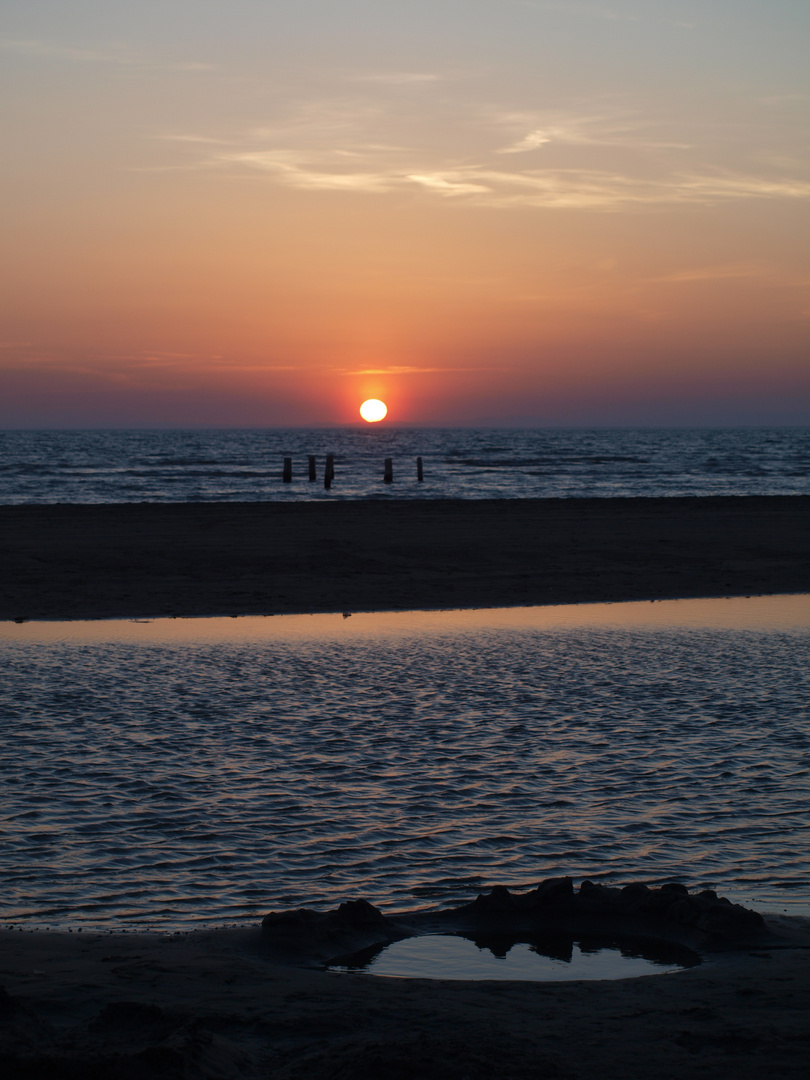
(548, 959)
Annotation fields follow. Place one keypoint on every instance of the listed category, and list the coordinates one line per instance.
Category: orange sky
(528, 214)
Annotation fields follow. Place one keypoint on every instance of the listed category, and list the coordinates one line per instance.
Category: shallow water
(179, 772)
(558, 959)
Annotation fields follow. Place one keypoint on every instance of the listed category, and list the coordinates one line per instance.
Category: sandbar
(190, 559)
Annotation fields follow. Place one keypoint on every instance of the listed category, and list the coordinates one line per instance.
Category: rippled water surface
(187, 771)
(205, 466)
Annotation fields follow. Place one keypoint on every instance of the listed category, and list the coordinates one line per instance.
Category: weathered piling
(329, 471)
(286, 476)
(420, 476)
(388, 474)
(312, 472)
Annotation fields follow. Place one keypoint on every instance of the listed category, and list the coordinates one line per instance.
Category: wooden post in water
(388, 475)
(312, 474)
(419, 474)
(329, 471)
(286, 476)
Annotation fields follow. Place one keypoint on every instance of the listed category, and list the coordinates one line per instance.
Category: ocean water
(239, 465)
(181, 772)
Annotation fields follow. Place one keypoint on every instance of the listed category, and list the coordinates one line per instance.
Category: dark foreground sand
(80, 562)
(213, 1005)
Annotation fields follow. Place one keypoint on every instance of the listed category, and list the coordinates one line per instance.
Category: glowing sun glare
(373, 410)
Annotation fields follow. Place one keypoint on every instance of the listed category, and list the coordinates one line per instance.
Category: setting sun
(373, 410)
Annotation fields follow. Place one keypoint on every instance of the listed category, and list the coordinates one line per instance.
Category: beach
(187, 559)
(217, 1003)
(213, 1005)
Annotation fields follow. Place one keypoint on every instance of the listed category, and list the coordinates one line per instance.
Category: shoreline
(124, 560)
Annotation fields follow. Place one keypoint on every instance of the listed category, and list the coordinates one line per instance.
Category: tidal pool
(550, 959)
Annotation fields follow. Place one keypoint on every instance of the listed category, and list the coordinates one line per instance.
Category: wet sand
(213, 1005)
(127, 560)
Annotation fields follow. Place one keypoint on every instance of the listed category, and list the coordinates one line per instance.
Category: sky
(483, 212)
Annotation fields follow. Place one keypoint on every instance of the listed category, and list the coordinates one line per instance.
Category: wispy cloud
(783, 99)
(401, 369)
(590, 11)
(529, 142)
(397, 78)
(549, 188)
(31, 47)
(405, 369)
(204, 140)
(760, 272)
(298, 171)
(531, 131)
(452, 184)
(112, 54)
(729, 186)
(127, 365)
(712, 273)
(152, 357)
(346, 145)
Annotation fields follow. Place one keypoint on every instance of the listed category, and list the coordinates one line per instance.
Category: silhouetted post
(419, 475)
(286, 476)
(388, 475)
(329, 471)
(312, 475)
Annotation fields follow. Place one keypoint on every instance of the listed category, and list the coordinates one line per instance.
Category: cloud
(341, 121)
(398, 78)
(402, 369)
(449, 184)
(198, 139)
(295, 170)
(110, 54)
(590, 11)
(541, 188)
(781, 99)
(604, 129)
(345, 145)
(405, 369)
(732, 272)
(595, 189)
(717, 187)
(29, 47)
(125, 367)
(712, 273)
(528, 142)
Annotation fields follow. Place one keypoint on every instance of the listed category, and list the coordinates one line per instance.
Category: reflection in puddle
(496, 956)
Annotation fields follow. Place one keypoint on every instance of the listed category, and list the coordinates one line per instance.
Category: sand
(148, 560)
(219, 1004)
(214, 1005)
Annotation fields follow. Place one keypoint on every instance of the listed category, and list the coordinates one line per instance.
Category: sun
(373, 410)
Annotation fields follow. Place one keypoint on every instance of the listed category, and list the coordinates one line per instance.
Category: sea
(177, 773)
(247, 465)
